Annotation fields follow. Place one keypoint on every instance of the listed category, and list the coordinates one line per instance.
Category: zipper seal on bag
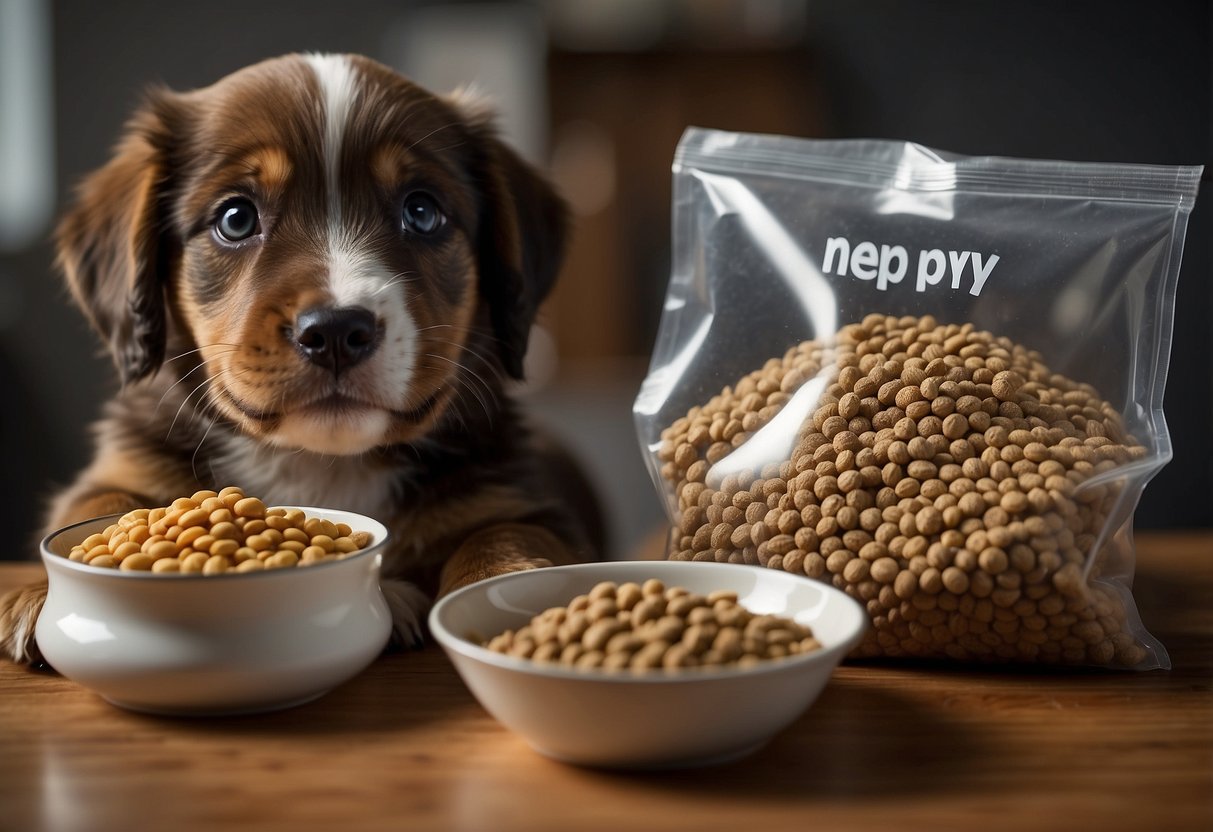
(913, 167)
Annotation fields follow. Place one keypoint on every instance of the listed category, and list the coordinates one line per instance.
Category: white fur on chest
(285, 477)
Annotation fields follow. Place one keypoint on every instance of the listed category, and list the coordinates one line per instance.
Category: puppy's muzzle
(336, 339)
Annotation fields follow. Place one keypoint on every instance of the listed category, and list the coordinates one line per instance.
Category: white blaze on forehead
(357, 276)
(338, 86)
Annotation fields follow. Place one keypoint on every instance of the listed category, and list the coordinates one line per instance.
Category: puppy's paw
(491, 569)
(19, 611)
(408, 606)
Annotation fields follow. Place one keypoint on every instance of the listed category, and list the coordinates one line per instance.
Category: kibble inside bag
(933, 381)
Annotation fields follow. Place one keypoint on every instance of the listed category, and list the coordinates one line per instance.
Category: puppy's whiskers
(202, 385)
(201, 442)
(438, 129)
(466, 384)
(402, 277)
(455, 405)
(195, 369)
(486, 361)
(204, 347)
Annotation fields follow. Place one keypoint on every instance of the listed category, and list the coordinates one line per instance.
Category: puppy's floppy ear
(113, 247)
(522, 229)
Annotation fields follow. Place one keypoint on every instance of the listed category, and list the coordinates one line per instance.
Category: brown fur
(199, 331)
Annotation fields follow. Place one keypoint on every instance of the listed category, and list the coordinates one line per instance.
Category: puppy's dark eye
(237, 220)
(421, 214)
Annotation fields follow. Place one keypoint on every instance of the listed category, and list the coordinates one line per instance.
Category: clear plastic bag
(933, 380)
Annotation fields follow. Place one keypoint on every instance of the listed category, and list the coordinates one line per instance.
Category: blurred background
(597, 92)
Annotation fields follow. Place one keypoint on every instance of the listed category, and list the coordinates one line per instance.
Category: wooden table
(404, 746)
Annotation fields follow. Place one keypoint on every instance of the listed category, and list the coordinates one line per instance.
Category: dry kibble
(668, 628)
(188, 536)
(280, 559)
(124, 549)
(225, 548)
(138, 561)
(215, 565)
(652, 588)
(193, 562)
(940, 479)
(194, 517)
(224, 530)
(249, 507)
(210, 533)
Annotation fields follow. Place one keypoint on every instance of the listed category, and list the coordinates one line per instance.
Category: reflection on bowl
(658, 718)
(230, 643)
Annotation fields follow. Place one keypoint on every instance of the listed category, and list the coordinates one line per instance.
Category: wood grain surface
(405, 746)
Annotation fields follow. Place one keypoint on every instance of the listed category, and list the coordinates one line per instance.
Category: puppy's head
(349, 256)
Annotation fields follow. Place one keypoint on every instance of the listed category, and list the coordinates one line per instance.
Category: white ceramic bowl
(217, 644)
(655, 719)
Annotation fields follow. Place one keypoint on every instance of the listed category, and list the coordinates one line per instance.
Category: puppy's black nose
(336, 339)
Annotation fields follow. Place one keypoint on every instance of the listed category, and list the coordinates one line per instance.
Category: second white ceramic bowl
(654, 719)
(231, 643)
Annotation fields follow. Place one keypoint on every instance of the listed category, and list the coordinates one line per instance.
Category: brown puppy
(313, 277)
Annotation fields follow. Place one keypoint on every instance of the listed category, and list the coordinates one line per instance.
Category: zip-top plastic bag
(934, 381)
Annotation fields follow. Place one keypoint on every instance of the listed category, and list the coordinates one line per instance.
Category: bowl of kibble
(636, 664)
(214, 604)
